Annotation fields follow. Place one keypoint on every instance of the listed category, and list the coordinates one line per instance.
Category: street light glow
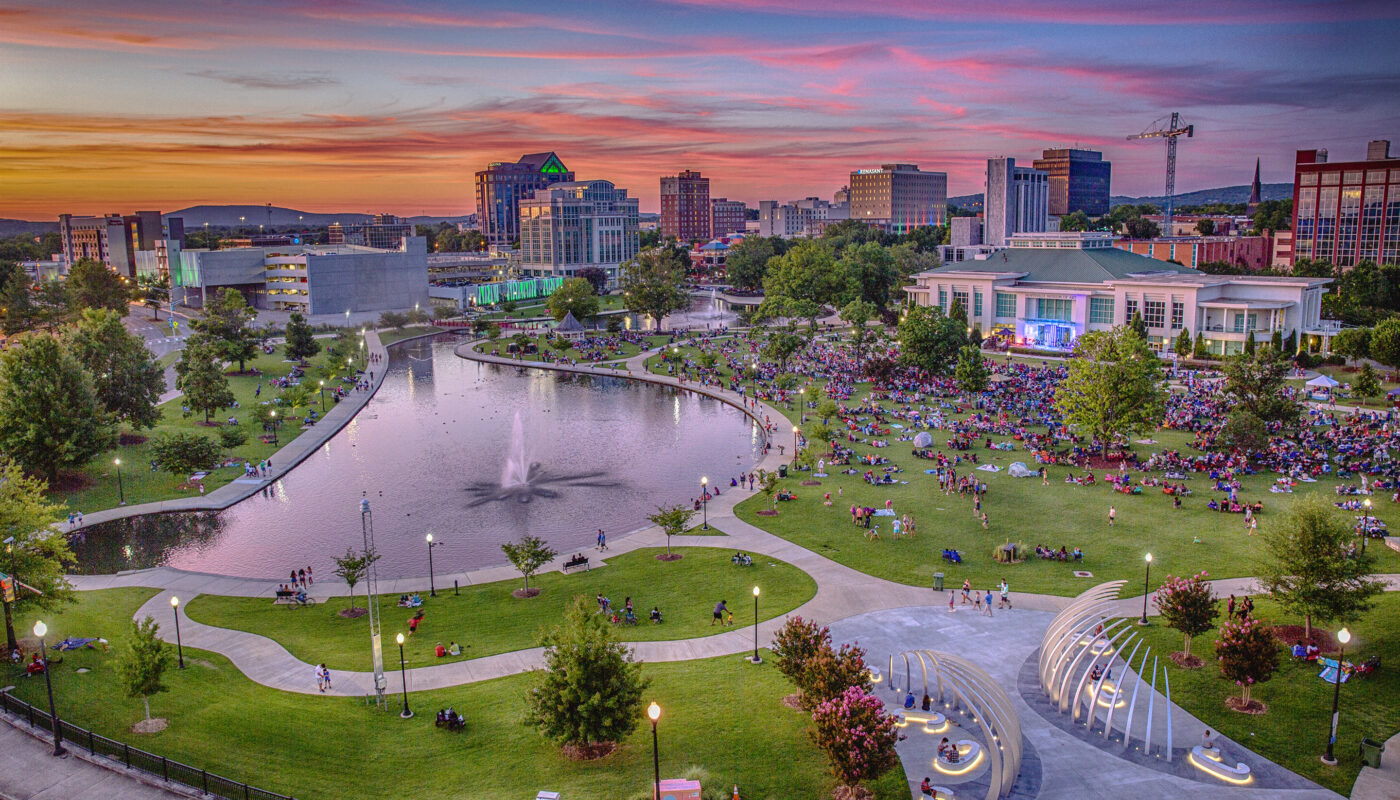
(430, 538)
(755, 591)
(40, 629)
(1149, 558)
(653, 710)
(174, 601)
(399, 639)
(1343, 635)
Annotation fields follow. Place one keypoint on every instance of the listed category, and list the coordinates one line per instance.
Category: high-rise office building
(1347, 211)
(502, 185)
(1017, 200)
(685, 207)
(115, 239)
(1079, 181)
(726, 216)
(383, 232)
(578, 224)
(899, 197)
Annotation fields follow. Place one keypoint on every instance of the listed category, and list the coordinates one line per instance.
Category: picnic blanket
(989, 468)
(73, 644)
(884, 512)
(1329, 671)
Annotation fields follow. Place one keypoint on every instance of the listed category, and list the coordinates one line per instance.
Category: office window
(1307, 179)
(1052, 308)
(1130, 307)
(1101, 310)
(1006, 304)
(976, 304)
(1178, 314)
(943, 299)
(1154, 313)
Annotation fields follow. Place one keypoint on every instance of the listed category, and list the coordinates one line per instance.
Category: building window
(1101, 310)
(1006, 304)
(1307, 179)
(1130, 307)
(1052, 308)
(976, 304)
(1178, 315)
(1154, 313)
(943, 299)
(960, 298)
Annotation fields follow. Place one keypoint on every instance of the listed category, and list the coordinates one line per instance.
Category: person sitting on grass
(656, 614)
(454, 649)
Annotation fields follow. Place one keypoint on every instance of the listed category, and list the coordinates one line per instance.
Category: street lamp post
(403, 676)
(179, 646)
(323, 397)
(654, 712)
(121, 489)
(795, 431)
(40, 629)
(1365, 523)
(705, 501)
(1145, 578)
(432, 588)
(274, 426)
(755, 659)
(1343, 636)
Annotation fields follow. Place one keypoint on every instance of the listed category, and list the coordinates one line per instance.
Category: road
(159, 338)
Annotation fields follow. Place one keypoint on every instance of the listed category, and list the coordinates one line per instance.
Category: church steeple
(1253, 191)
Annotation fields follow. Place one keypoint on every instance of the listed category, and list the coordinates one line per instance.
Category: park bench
(576, 561)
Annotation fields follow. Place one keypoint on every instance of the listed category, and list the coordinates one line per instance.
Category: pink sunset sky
(354, 105)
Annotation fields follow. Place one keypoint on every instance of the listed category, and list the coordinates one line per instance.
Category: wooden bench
(576, 561)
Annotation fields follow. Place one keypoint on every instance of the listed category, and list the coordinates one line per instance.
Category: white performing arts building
(1047, 289)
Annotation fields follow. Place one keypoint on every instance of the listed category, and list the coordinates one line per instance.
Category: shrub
(857, 736)
(829, 672)
(794, 645)
(181, 453)
(1187, 605)
(1248, 654)
(232, 435)
(1004, 556)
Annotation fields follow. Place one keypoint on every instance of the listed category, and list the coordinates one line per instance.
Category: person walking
(967, 588)
(1230, 608)
(1005, 595)
(1112, 514)
(977, 602)
(602, 540)
(989, 603)
(320, 680)
(720, 610)
(326, 673)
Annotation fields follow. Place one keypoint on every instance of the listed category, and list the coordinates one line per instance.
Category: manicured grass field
(587, 356)
(1295, 729)
(723, 714)
(387, 338)
(485, 619)
(1023, 510)
(142, 485)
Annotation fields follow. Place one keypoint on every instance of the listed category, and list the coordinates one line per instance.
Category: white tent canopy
(1323, 382)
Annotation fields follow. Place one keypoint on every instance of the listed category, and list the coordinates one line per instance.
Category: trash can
(938, 581)
(1371, 752)
(782, 470)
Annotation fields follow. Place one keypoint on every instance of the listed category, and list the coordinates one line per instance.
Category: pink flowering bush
(1248, 654)
(795, 643)
(1187, 605)
(857, 736)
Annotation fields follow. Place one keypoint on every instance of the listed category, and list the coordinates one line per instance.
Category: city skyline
(363, 106)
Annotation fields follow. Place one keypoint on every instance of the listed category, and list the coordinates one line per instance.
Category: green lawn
(587, 356)
(1022, 509)
(1294, 731)
(611, 302)
(387, 338)
(486, 620)
(723, 714)
(100, 488)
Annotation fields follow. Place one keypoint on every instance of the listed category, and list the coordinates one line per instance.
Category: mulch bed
(852, 793)
(70, 482)
(129, 439)
(793, 701)
(590, 751)
(1293, 634)
(524, 593)
(352, 613)
(763, 512)
(1186, 661)
(669, 557)
(1254, 708)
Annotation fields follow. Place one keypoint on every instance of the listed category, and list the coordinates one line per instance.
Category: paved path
(29, 771)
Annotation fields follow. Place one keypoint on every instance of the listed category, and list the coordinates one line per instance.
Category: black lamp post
(795, 431)
(1365, 523)
(654, 712)
(432, 588)
(705, 501)
(755, 659)
(323, 397)
(1145, 578)
(179, 647)
(274, 426)
(1343, 636)
(121, 489)
(40, 629)
(403, 676)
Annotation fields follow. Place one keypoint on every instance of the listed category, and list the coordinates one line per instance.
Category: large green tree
(929, 340)
(50, 417)
(970, 372)
(653, 284)
(184, 452)
(810, 272)
(17, 311)
(590, 690)
(1352, 343)
(1256, 383)
(301, 342)
(34, 553)
(128, 380)
(576, 296)
(92, 285)
(1385, 343)
(858, 314)
(154, 290)
(227, 324)
(1114, 386)
(202, 379)
(528, 555)
(872, 268)
(1311, 565)
(746, 264)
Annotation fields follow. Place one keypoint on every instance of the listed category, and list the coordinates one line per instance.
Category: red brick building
(685, 207)
(1349, 211)
(1251, 252)
(726, 216)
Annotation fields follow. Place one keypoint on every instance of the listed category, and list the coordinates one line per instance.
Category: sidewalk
(29, 771)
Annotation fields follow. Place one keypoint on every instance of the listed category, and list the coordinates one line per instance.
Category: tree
(1273, 215)
(227, 326)
(1311, 567)
(1276, 341)
(92, 285)
(929, 340)
(857, 736)
(301, 343)
(126, 378)
(1199, 350)
(830, 672)
(857, 314)
(590, 690)
(574, 295)
(1352, 343)
(16, 302)
(1139, 228)
(528, 555)
(184, 452)
(653, 284)
(352, 568)
(1385, 342)
(37, 555)
(971, 373)
(781, 346)
(50, 417)
(1248, 654)
(201, 379)
(1290, 345)
(1187, 605)
(1243, 431)
(673, 521)
(1256, 383)
(596, 277)
(871, 266)
(1183, 343)
(1114, 386)
(1367, 385)
(53, 304)
(392, 320)
(1205, 227)
(417, 316)
(1138, 325)
(957, 311)
(768, 486)
(795, 643)
(155, 290)
(142, 662)
(1074, 221)
(810, 272)
(746, 264)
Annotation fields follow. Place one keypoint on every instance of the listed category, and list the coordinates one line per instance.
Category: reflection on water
(428, 453)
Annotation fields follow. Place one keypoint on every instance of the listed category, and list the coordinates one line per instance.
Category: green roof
(1094, 265)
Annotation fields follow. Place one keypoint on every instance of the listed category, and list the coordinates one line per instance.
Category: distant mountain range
(277, 217)
(21, 227)
(1201, 197)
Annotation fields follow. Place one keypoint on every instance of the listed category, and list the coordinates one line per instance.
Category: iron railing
(134, 758)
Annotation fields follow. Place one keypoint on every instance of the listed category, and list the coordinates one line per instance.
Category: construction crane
(1171, 131)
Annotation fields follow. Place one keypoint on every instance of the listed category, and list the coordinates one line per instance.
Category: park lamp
(174, 601)
(429, 537)
(653, 710)
(41, 630)
(755, 591)
(1149, 558)
(117, 461)
(399, 639)
(1344, 636)
(704, 480)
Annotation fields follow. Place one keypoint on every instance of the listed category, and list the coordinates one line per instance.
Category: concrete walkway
(29, 771)
(1383, 783)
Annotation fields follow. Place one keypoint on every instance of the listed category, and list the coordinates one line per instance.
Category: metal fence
(134, 758)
